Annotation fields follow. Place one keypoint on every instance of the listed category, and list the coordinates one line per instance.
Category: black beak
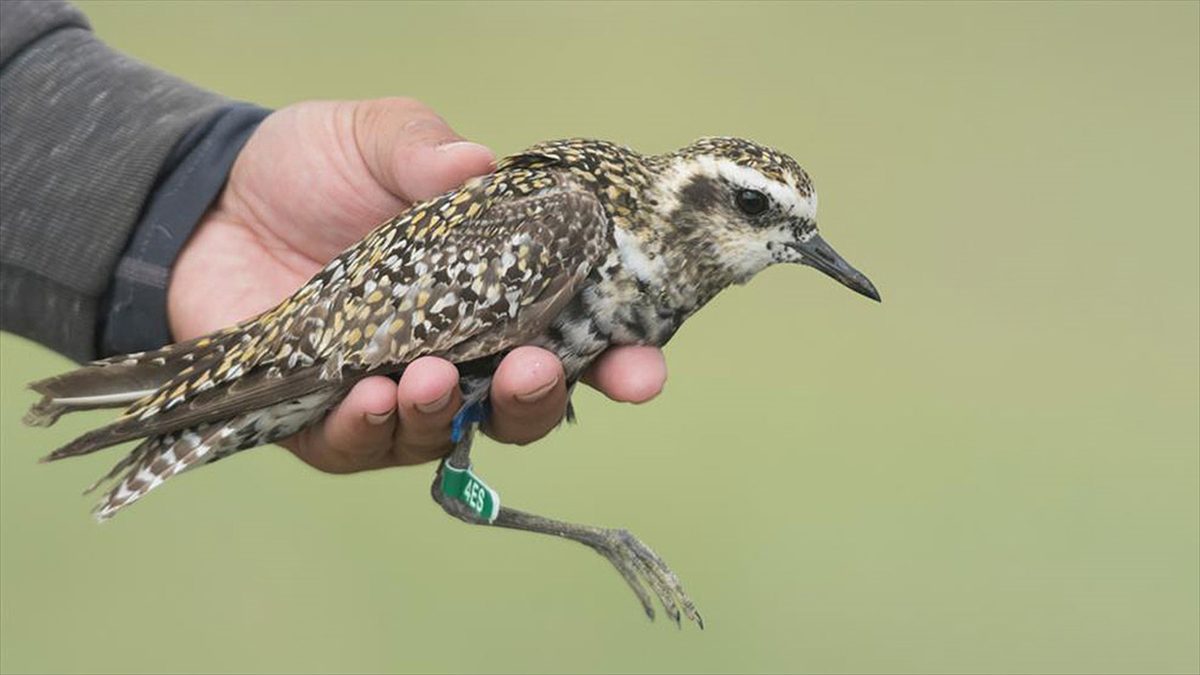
(816, 253)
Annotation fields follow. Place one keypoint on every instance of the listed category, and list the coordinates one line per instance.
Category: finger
(412, 152)
(428, 398)
(357, 434)
(529, 396)
(631, 374)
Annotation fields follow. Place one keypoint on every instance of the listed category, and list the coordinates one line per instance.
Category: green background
(995, 470)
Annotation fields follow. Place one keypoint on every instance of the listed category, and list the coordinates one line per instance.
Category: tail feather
(164, 457)
(96, 439)
(146, 447)
(254, 391)
(185, 414)
(47, 411)
(116, 382)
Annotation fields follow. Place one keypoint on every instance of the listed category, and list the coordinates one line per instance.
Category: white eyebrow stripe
(784, 195)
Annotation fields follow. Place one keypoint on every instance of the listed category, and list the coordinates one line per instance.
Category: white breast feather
(635, 260)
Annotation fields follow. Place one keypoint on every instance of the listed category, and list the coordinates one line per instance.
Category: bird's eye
(752, 202)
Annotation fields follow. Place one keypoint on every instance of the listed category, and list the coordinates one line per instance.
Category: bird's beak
(816, 253)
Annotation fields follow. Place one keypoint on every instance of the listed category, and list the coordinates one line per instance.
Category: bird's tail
(116, 382)
(202, 422)
(164, 455)
(158, 458)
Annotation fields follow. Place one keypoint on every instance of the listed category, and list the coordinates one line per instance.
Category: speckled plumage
(572, 245)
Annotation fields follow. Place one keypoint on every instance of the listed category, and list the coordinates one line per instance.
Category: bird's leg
(464, 496)
(633, 559)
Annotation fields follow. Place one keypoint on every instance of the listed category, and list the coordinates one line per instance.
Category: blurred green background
(994, 471)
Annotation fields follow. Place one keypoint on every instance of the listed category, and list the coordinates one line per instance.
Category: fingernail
(424, 123)
(378, 419)
(435, 406)
(537, 394)
(454, 146)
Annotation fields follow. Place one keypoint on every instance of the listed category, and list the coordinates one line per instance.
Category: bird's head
(743, 207)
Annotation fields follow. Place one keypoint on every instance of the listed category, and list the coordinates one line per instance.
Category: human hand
(313, 179)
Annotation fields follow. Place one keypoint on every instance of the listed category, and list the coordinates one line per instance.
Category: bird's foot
(637, 563)
(465, 496)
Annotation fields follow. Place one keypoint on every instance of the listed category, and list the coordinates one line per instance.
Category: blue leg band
(476, 413)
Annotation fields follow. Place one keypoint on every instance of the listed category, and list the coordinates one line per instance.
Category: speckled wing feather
(475, 272)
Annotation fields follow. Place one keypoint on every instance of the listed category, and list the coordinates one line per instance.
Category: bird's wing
(475, 272)
(495, 281)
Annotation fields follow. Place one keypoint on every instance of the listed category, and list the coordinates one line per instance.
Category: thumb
(411, 151)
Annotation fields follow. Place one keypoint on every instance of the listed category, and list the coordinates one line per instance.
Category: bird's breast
(608, 311)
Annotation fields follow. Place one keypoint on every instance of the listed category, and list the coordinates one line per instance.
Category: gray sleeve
(84, 131)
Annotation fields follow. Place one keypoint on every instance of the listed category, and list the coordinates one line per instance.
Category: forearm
(86, 135)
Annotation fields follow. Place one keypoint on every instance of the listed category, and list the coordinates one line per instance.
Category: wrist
(134, 315)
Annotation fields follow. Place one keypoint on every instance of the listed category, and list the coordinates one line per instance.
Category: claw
(641, 567)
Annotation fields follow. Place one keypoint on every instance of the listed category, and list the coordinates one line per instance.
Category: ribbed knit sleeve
(84, 134)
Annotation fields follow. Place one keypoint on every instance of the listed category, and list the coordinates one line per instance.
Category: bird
(571, 245)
